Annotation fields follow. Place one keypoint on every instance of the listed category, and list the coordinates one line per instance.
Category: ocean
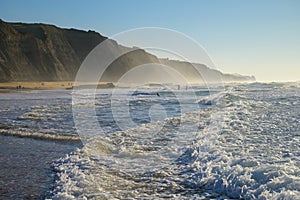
(237, 141)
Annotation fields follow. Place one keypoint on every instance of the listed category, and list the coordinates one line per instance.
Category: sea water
(222, 142)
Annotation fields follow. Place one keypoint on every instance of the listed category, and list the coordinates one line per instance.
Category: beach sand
(12, 86)
(19, 86)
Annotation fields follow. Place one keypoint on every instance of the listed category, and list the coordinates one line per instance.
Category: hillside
(41, 52)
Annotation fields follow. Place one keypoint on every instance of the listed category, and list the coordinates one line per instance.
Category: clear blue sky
(258, 37)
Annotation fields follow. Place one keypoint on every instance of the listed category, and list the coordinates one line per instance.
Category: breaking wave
(254, 155)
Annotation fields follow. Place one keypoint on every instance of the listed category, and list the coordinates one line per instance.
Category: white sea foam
(39, 135)
(254, 155)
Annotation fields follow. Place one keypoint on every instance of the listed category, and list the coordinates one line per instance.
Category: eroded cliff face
(41, 52)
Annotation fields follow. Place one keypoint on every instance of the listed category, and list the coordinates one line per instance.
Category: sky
(260, 38)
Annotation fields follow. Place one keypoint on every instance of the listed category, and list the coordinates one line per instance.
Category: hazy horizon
(248, 38)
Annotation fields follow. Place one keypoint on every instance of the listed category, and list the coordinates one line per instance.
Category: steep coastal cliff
(42, 52)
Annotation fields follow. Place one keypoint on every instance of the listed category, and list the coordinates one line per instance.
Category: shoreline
(10, 87)
(42, 85)
(19, 86)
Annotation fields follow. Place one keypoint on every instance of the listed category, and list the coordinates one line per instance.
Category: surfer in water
(157, 94)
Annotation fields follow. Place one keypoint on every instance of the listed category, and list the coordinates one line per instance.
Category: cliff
(41, 52)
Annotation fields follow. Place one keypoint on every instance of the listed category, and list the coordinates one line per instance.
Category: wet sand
(26, 171)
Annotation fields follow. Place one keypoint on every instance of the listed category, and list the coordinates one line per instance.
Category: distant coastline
(46, 53)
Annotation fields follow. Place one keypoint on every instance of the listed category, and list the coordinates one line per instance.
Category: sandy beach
(7, 87)
(13, 86)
